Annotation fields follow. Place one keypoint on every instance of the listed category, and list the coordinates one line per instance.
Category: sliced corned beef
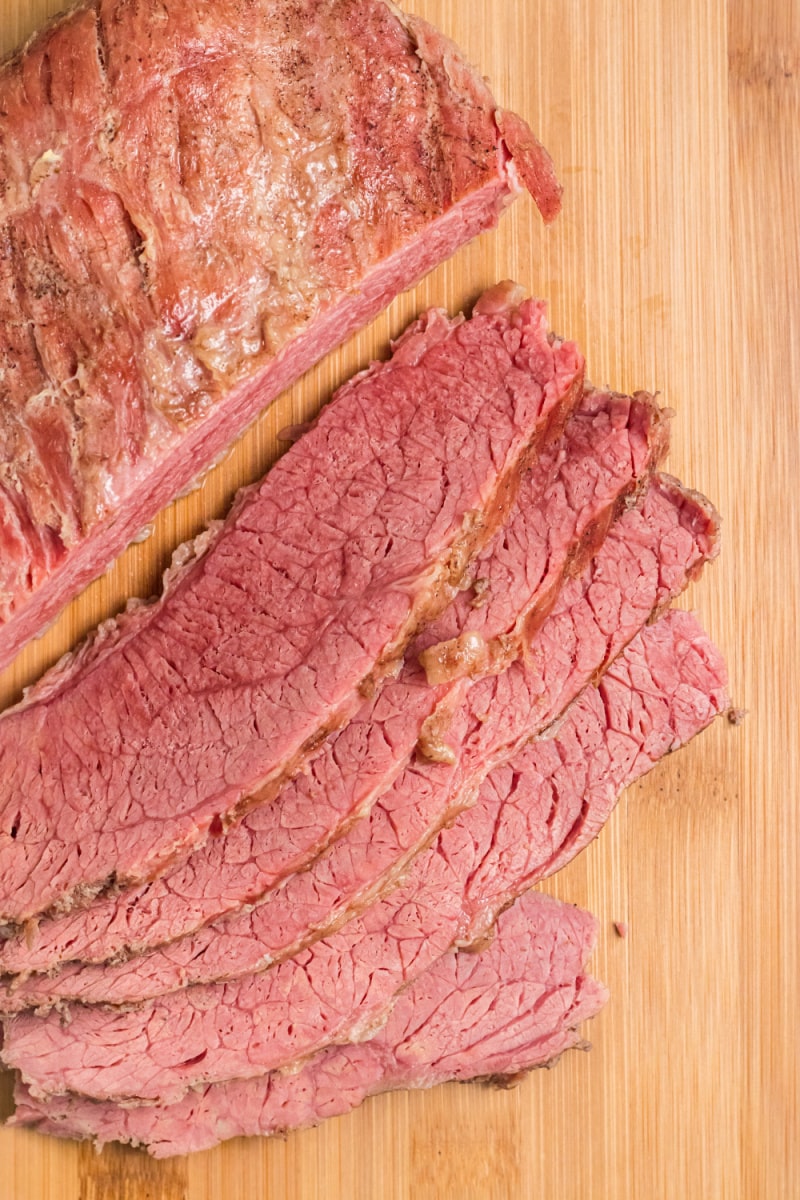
(533, 995)
(670, 683)
(494, 719)
(198, 707)
(186, 229)
(565, 503)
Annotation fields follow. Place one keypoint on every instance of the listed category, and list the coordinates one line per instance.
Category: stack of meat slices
(250, 831)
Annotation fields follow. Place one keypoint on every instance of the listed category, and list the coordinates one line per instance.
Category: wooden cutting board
(674, 125)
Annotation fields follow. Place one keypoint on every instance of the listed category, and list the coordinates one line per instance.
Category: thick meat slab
(565, 503)
(533, 995)
(670, 683)
(492, 722)
(185, 229)
(197, 708)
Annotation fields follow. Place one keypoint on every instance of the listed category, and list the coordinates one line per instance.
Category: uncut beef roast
(196, 708)
(187, 228)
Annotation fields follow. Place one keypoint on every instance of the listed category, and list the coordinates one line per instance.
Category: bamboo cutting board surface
(675, 128)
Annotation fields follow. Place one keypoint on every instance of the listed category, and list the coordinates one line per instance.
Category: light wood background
(675, 127)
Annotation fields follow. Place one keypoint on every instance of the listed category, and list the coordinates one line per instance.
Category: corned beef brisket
(186, 229)
(144, 320)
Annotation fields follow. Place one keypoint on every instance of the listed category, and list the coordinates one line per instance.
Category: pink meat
(565, 503)
(198, 707)
(533, 995)
(490, 725)
(185, 229)
(671, 683)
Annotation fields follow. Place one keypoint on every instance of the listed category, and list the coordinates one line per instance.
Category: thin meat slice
(565, 503)
(186, 229)
(515, 1006)
(196, 708)
(673, 683)
(491, 723)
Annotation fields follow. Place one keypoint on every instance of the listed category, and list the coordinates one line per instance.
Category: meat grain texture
(671, 683)
(533, 996)
(198, 707)
(565, 504)
(648, 557)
